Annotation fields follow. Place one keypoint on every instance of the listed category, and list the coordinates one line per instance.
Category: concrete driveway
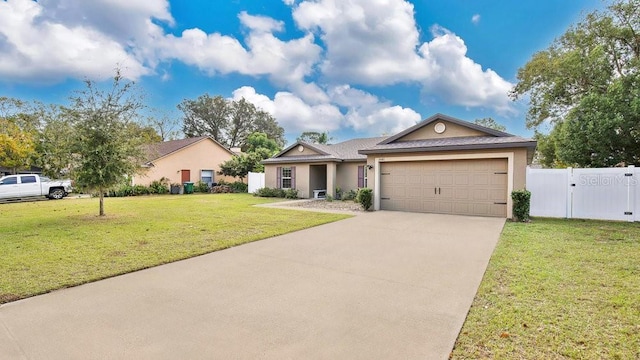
(383, 285)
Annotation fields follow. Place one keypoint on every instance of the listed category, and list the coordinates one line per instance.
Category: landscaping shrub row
(277, 193)
(162, 186)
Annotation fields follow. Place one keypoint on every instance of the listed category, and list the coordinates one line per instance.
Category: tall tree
(315, 137)
(490, 123)
(581, 74)
(106, 148)
(205, 116)
(229, 122)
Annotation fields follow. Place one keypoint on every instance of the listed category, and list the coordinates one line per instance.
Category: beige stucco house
(193, 159)
(441, 165)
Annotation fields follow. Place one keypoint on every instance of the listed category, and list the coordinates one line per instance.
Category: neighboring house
(193, 159)
(441, 165)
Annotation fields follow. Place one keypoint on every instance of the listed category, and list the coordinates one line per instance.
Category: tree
(259, 147)
(490, 123)
(315, 137)
(578, 85)
(165, 126)
(54, 145)
(229, 122)
(107, 150)
(18, 134)
(17, 147)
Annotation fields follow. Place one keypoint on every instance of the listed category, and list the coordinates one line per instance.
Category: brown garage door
(464, 187)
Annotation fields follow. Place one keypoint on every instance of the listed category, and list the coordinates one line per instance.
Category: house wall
(452, 130)
(302, 177)
(347, 175)
(203, 155)
(519, 162)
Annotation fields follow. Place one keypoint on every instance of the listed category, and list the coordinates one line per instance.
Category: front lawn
(558, 289)
(49, 245)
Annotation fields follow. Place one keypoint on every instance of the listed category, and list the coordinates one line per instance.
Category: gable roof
(343, 151)
(450, 119)
(456, 143)
(495, 139)
(166, 148)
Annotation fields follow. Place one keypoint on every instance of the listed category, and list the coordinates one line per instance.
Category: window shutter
(279, 177)
(293, 177)
(360, 176)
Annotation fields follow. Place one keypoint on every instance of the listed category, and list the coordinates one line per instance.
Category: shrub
(239, 187)
(328, 198)
(201, 187)
(349, 195)
(278, 193)
(521, 204)
(140, 190)
(159, 186)
(365, 198)
(290, 194)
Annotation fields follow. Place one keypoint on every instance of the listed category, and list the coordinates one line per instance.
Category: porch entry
(318, 181)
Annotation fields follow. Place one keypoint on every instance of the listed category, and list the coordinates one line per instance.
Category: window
(28, 179)
(9, 181)
(206, 176)
(286, 178)
(365, 176)
(362, 176)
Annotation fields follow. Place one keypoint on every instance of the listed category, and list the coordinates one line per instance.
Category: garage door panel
(467, 187)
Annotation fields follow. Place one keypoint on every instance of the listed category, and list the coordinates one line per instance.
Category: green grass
(49, 245)
(558, 289)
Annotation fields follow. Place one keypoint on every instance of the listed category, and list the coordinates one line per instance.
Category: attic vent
(439, 128)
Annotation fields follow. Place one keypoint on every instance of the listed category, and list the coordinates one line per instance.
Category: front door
(186, 176)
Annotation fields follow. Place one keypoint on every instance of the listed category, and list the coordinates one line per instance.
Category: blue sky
(354, 68)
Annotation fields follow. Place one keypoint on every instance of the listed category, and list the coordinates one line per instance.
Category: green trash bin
(188, 188)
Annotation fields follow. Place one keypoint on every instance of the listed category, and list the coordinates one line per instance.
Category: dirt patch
(5, 298)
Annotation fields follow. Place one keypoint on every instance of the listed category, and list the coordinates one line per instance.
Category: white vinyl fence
(599, 193)
(256, 181)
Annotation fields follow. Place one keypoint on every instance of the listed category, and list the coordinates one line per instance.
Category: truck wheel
(56, 194)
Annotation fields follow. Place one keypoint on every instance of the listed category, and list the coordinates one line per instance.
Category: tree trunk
(101, 202)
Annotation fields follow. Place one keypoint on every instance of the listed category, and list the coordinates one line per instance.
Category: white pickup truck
(29, 185)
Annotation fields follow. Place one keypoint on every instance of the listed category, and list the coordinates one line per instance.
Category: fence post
(569, 200)
(631, 189)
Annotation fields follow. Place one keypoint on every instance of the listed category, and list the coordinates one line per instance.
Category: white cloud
(367, 42)
(377, 43)
(475, 19)
(366, 113)
(348, 109)
(260, 23)
(459, 79)
(35, 46)
(292, 112)
(286, 63)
